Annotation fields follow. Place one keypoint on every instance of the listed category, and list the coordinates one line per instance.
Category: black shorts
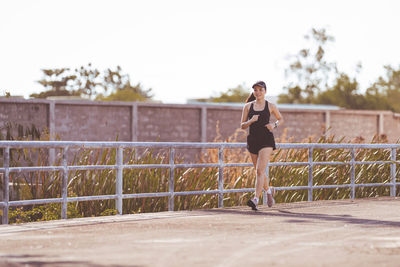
(256, 143)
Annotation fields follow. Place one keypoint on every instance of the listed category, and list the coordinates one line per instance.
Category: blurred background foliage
(90, 83)
(313, 79)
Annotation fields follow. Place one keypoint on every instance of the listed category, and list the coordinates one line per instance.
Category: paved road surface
(324, 233)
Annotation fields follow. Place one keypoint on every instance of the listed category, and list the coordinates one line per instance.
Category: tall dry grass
(37, 185)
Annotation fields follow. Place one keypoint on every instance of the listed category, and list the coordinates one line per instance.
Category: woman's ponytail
(250, 98)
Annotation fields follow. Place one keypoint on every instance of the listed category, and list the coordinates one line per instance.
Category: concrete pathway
(362, 232)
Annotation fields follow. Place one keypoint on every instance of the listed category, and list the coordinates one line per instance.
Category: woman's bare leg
(254, 158)
(261, 165)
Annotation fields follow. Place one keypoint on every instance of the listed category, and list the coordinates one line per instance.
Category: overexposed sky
(190, 49)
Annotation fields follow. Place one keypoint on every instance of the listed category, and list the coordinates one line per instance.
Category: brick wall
(391, 126)
(93, 122)
(168, 124)
(24, 113)
(354, 125)
(222, 123)
(301, 124)
(104, 121)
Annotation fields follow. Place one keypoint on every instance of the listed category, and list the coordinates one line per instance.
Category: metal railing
(172, 146)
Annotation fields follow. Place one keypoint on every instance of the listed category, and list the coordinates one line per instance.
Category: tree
(376, 100)
(58, 82)
(344, 93)
(114, 79)
(309, 73)
(294, 95)
(58, 79)
(127, 93)
(119, 85)
(385, 92)
(5, 94)
(88, 82)
(238, 94)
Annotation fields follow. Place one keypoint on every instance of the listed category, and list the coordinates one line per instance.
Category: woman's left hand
(270, 126)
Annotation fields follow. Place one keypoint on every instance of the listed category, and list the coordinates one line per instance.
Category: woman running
(260, 141)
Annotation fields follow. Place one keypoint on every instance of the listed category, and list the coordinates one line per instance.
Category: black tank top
(258, 128)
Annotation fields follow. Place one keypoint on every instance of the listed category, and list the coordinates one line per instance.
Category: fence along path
(172, 146)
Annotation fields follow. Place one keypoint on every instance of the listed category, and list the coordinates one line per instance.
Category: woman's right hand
(254, 118)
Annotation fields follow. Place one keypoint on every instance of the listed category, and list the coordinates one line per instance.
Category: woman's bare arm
(277, 114)
(245, 113)
(279, 118)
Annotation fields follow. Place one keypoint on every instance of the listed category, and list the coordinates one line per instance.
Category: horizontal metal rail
(65, 146)
(204, 165)
(88, 144)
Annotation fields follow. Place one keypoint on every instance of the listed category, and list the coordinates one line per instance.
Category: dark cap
(261, 84)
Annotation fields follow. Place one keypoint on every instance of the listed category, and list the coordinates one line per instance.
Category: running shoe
(251, 204)
(270, 197)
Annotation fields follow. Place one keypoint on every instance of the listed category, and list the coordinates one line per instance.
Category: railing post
(221, 178)
(64, 187)
(119, 182)
(51, 117)
(310, 174)
(6, 184)
(393, 172)
(171, 183)
(353, 175)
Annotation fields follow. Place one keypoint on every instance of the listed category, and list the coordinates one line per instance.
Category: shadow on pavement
(297, 217)
(34, 260)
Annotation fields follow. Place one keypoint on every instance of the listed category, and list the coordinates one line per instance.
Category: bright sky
(190, 49)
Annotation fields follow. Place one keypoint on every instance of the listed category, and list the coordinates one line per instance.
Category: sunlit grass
(37, 185)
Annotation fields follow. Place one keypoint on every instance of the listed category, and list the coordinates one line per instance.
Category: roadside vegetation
(47, 184)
